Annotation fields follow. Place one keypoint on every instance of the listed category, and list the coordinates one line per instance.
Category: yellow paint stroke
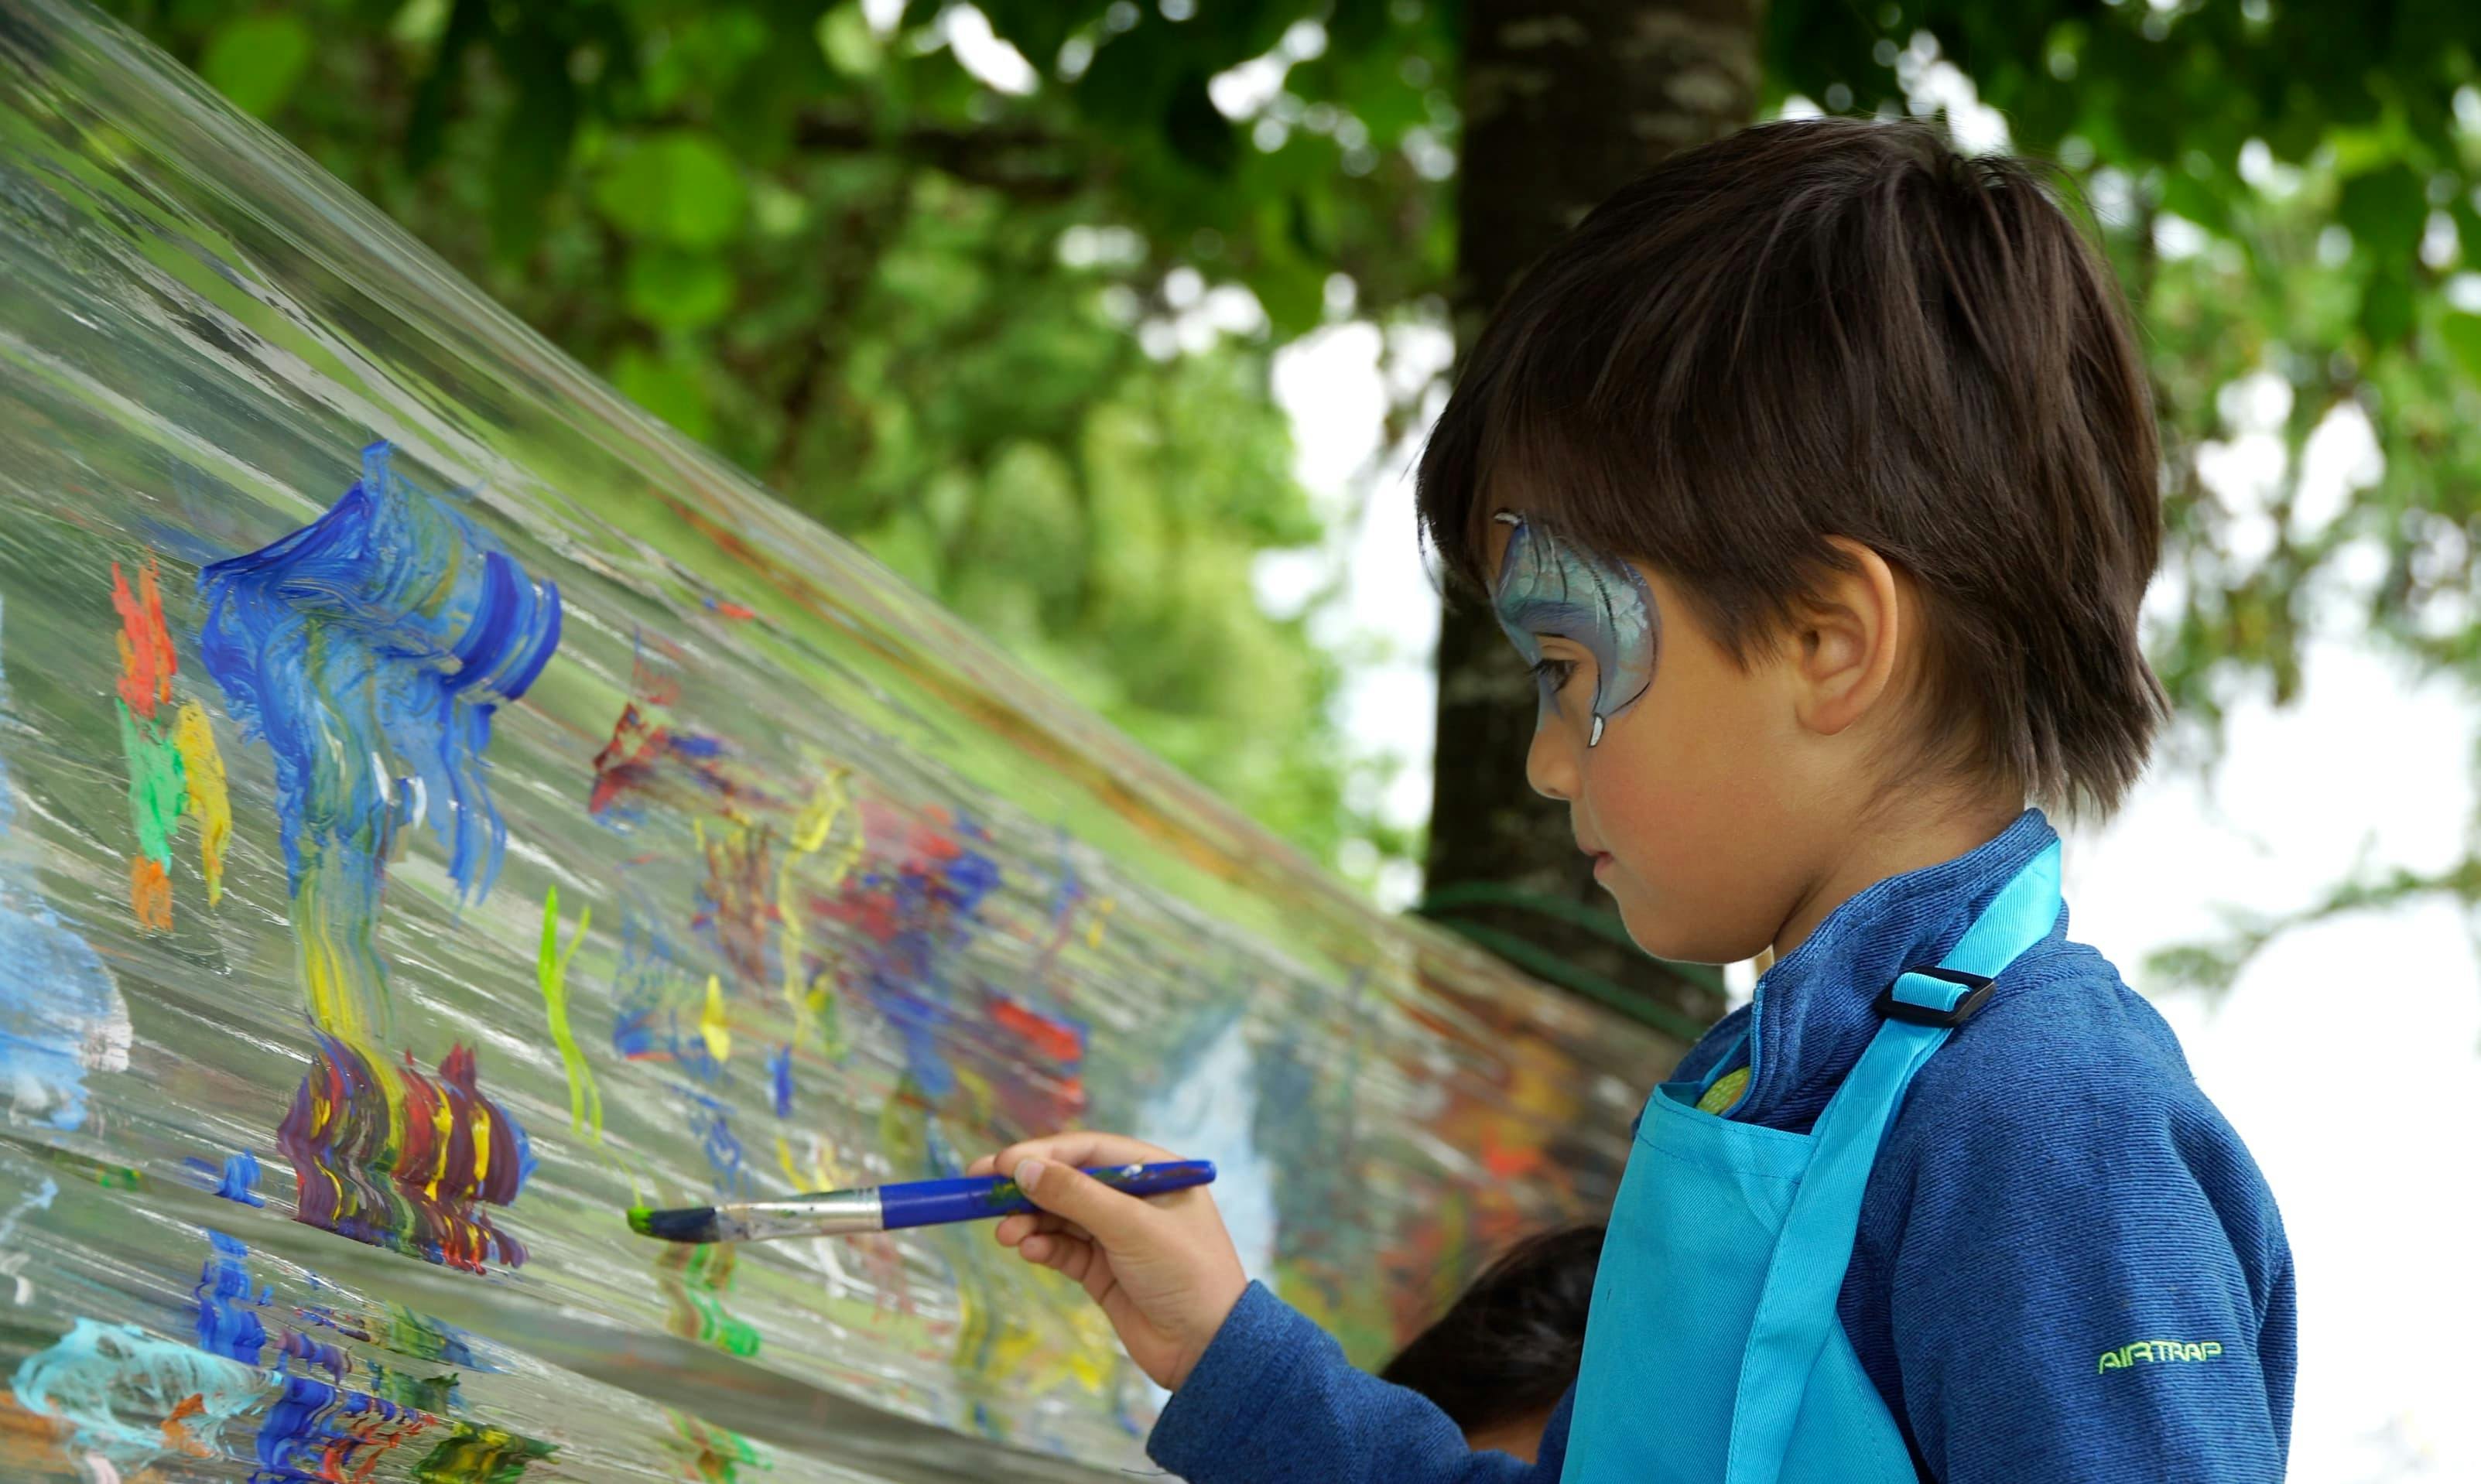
(717, 1030)
(1102, 909)
(809, 835)
(551, 972)
(202, 773)
(334, 1005)
(810, 832)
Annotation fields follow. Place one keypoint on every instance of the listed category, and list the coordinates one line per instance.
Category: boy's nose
(1551, 764)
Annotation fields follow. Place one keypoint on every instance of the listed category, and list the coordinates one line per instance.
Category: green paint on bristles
(642, 1220)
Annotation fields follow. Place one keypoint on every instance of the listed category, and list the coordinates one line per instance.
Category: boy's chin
(1681, 942)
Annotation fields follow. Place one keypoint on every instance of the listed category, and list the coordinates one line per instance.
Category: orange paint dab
(146, 658)
(150, 893)
(179, 1436)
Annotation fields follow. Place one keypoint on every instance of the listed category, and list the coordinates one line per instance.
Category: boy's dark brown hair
(1840, 328)
(1510, 1344)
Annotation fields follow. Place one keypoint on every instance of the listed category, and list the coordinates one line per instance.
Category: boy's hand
(1162, 1268)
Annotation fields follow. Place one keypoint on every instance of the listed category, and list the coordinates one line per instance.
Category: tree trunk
(1564, 102)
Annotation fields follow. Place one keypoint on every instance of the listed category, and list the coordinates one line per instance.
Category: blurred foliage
(2289, 192)
(1011, 331)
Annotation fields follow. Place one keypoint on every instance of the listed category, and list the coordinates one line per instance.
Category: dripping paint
(383, 636)
(487, 811)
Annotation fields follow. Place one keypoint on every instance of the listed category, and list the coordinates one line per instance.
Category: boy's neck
(1888, 847)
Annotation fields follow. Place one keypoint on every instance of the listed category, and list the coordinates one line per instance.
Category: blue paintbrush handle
(977, 1197)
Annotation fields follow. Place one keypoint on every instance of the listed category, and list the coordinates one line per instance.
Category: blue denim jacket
(2067, 1267)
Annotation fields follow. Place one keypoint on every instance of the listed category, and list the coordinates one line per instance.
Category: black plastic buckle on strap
(1977, 988)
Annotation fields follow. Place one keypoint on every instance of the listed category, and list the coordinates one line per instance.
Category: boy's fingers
(988, 1164)
(1013, 1229)
(1080, 1147)
(1102, 1213)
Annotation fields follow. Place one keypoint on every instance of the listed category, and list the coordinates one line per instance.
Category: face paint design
(1546, 587)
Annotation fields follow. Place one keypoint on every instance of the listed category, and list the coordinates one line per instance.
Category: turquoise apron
(1713, 1352)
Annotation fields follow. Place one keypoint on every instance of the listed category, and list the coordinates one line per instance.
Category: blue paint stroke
(60, 1015)
(114, 1384)
(929, 914)
(647, 1024)
(313, 1421)
(383, 635)
(712, 1122)
(241, 1180)
(780, 1078)
(227, 1323)
(237, 1181)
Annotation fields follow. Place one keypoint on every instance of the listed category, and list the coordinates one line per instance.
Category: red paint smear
(737, 905)
(646, 757)
(742, 611)
(146, 660)
(1056, 1039)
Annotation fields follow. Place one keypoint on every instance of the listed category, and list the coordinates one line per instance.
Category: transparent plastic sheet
(440, 807)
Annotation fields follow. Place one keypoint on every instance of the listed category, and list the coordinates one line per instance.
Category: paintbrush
(891, 1207)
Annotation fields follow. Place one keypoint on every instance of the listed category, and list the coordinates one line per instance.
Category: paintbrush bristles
(691, 1224)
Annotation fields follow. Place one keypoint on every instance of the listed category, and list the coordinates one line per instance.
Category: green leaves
(2461, 334)
(2384, 210)
(670, 387)
(678, 291)
(257, 60)
(678, 187)
(846, 41)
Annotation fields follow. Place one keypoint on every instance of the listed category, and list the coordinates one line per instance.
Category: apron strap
(1805, 1274)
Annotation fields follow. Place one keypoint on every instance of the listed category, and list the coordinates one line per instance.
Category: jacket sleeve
(2100, 1290)
(1273, 1401)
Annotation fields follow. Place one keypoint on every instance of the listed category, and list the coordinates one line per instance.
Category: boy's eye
(1554, 674)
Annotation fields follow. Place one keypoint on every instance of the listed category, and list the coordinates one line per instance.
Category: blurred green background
(996, 291)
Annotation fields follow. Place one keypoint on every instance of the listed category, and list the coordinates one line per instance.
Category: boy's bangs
(1505, 450)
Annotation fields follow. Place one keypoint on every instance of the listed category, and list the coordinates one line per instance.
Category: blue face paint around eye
(1547, 587)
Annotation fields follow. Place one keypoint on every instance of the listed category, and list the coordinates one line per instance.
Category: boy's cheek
(1694, 838)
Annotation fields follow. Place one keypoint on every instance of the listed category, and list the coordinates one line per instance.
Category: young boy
(1815, 475)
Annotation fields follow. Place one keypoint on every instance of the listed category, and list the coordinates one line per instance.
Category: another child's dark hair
(1510, 1343)
(1842, 328)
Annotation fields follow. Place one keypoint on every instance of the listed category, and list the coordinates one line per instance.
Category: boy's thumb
(1065, 1190)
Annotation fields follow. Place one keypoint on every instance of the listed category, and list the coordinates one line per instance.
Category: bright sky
(2348, 1055)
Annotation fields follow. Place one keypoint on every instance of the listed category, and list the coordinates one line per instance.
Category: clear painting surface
(440, 808)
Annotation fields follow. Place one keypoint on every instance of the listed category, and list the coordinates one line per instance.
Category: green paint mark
(713, 1454)
(156, 795)
(551, 970)
(434, 1394)
(707, 1278)
(480, 1455)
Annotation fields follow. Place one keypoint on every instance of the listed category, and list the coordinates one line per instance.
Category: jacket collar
(1813, 1010)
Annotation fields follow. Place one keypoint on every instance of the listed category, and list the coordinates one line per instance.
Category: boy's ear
(1847, 633)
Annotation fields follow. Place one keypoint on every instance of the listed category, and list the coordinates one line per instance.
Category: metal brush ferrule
(829, 1214)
